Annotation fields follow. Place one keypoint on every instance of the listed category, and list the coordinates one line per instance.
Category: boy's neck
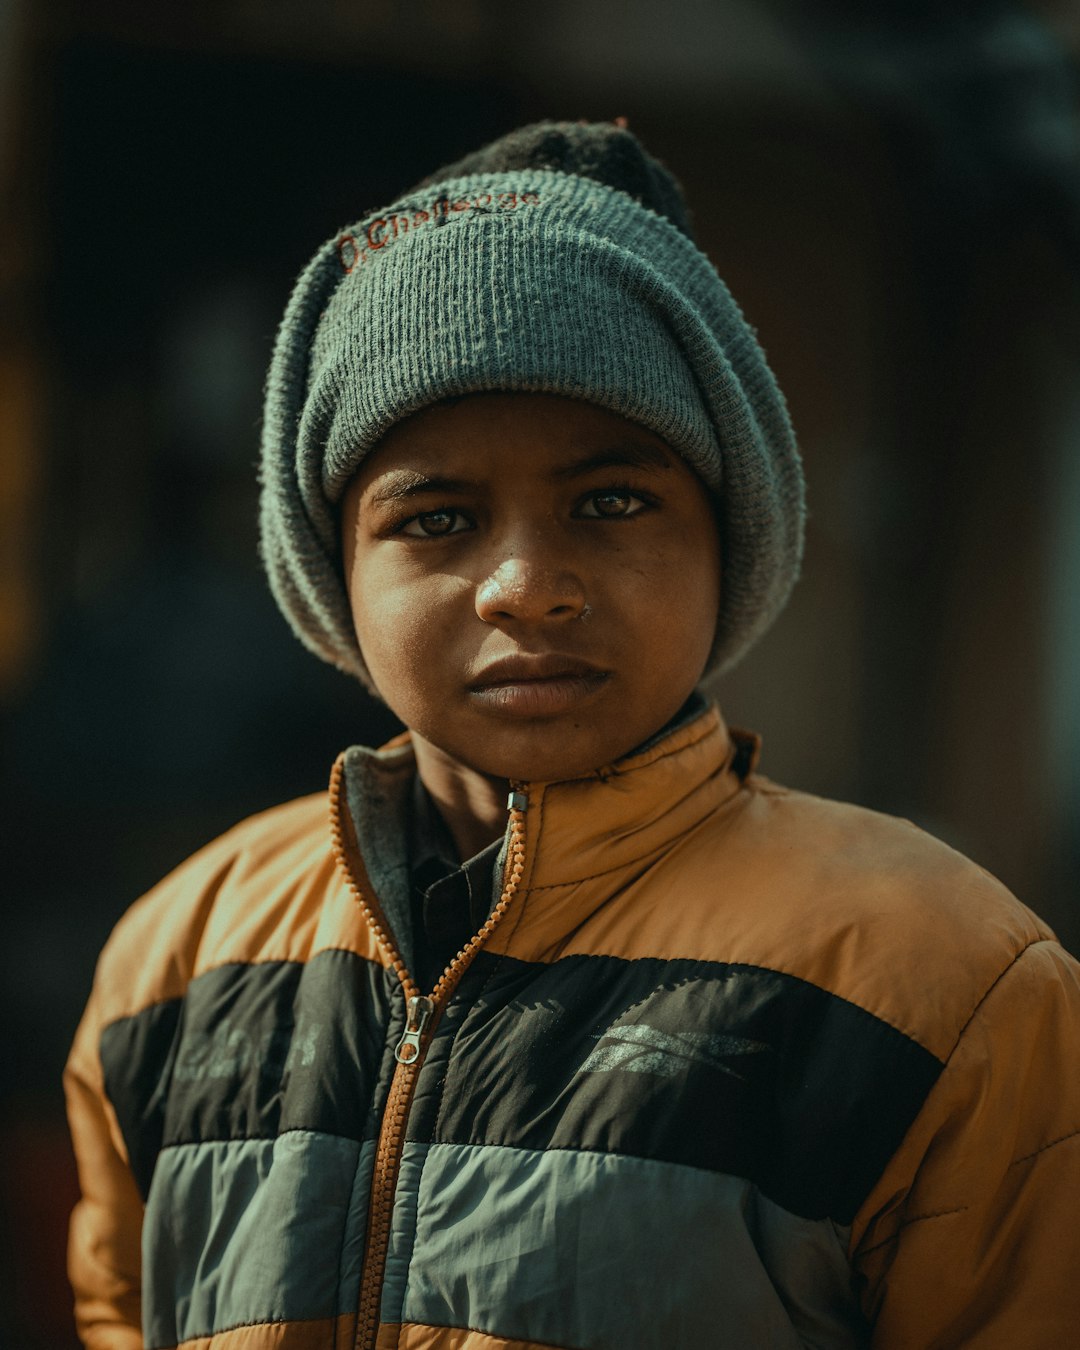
(472, 804)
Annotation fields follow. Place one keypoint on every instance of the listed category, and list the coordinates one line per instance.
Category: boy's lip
(526, 668)
(535, 686)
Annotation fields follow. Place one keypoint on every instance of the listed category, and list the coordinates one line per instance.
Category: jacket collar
(575, 829)
(637, 807)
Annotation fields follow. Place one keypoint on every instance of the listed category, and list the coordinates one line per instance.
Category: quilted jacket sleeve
(972, 1236)
(104, 1246)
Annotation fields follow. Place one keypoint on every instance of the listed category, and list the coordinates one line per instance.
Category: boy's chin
(544, 763)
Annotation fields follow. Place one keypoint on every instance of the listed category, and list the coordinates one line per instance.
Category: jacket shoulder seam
(1035, 942)
(1045, 1148)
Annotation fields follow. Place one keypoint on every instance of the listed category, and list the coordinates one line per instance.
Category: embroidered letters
(382, 231)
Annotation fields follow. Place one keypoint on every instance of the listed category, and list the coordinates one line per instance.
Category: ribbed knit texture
(529, 280)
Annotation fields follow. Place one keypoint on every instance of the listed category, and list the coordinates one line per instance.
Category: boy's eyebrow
(639, 456)
(401, 484)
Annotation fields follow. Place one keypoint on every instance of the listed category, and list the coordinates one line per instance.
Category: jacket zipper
(422, 1015)
(418, 1012)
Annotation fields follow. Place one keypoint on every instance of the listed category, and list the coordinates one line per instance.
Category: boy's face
(534, 581)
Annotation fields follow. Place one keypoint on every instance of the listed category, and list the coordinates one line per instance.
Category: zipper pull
(419, 1012)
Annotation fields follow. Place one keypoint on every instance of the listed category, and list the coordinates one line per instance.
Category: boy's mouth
(531, 686)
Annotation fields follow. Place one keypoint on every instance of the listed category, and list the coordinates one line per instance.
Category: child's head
(548, 288)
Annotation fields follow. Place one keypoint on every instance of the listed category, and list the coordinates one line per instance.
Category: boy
(649, 1052)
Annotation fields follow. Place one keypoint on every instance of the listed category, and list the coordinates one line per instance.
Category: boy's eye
(611, 502)
(431, 524)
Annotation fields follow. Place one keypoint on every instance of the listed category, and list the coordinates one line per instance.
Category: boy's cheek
(411, 651)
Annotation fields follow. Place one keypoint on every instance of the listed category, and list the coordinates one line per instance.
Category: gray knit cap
(532, 280)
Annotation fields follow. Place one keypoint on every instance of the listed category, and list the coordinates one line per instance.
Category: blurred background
(893, 194)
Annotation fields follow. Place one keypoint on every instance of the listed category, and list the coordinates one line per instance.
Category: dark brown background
(893, 193)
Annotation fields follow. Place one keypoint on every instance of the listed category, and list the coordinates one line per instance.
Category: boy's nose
(529, 592)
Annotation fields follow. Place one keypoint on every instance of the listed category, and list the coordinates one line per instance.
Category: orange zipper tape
(423, 1015)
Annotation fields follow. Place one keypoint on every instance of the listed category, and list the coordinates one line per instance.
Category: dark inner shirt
(450, 901)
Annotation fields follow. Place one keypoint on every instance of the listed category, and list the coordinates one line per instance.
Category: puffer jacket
(729, 1065)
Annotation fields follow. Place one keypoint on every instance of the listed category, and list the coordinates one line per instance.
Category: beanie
(536, 279)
